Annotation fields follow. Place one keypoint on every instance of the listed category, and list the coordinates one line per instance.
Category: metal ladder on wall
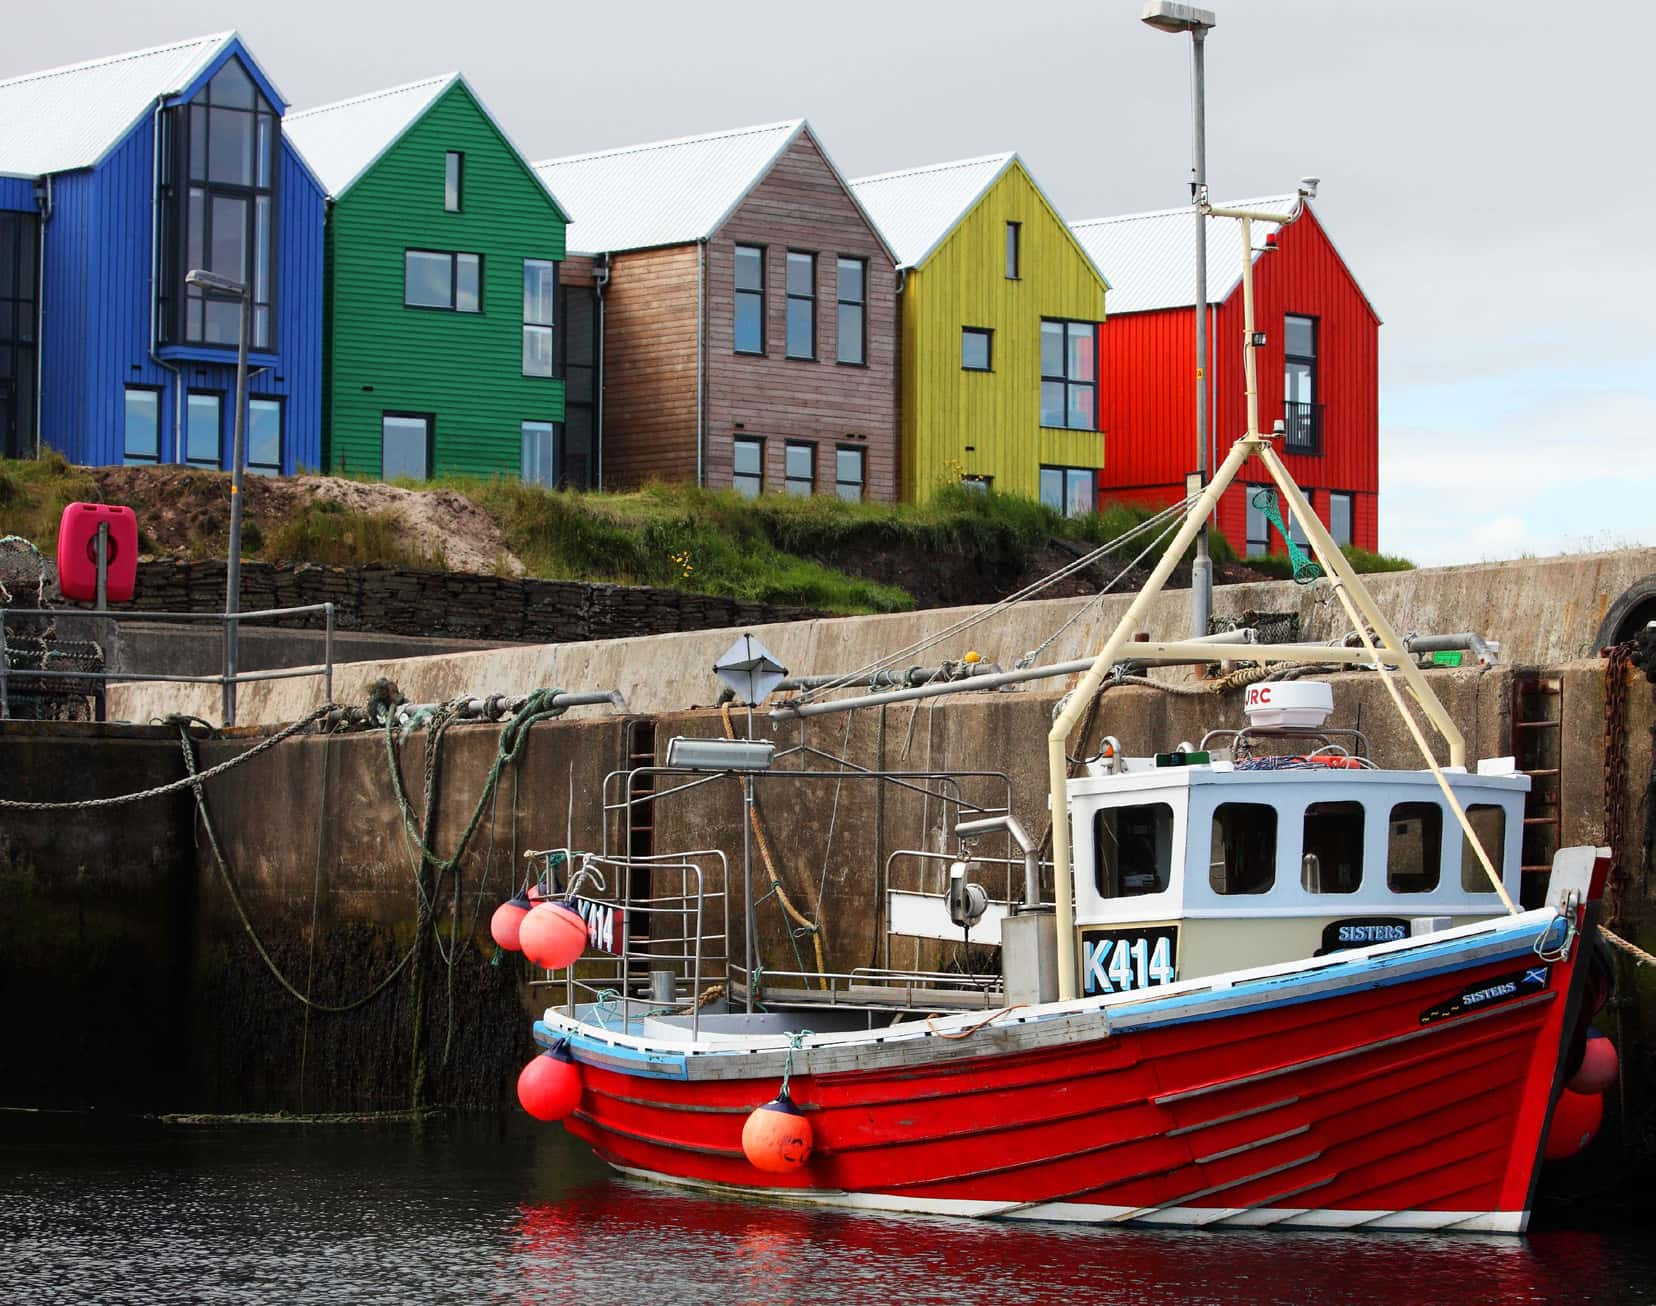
(1537, 736)
(641, 752)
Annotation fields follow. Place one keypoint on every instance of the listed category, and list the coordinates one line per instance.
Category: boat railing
(873, 988)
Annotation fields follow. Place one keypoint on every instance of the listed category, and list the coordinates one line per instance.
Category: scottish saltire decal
(1490, 993)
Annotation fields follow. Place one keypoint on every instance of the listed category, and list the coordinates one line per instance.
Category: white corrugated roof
(663, 192)
(67, 118)
(1150, 258)
(916, 208)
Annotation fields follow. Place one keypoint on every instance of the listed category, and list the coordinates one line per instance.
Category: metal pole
(232, 575)
(5, 658)
(102, 545)
(327, 653)
(1201, 569)
(747, 874)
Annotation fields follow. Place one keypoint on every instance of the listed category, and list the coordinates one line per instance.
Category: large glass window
(454, 166)
(264, 437)
(750, 299)
(799, 468)
(540, 454)
(1302, 430)
(540, 296)
(18, 267)
(220, 168)
(849, 473)
(1414, 847)
(851, 323)
(143, 425)
(1339, 517)
(801, 341)
(1488, 822)
(1068, 375)
(405, 447)
(204, 429)
(976, 353)
(578, 345)
(1243, 851)
(1069, 490)
(1259, 525)
(748, 467)
(1132, 849)
(1331, 860)
(437, 279)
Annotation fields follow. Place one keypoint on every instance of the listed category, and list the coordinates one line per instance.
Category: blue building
(117, 177)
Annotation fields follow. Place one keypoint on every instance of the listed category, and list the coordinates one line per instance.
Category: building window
(1259, 525)
(1132, 849)
(748, 467)
(1014, 234)
(977, 484)
(218, 210)
(1072, 491)
(405, 446)
(1296, 528)
(143, 425)
(1068, 375)
(19, 262)
(1488, 822)
(540, 296)
(1242, 854)
(750, 299)
(540, 454)
(204, 429)
(1332, 861)
(976, 352)
(435, 279)
(850, 468)
(799, 468)
(801, 342)
(1301, 413)
(578, 365)
(1339, 518)
(1414, 847)
(264, 437)
(454, 166)
(851, 324)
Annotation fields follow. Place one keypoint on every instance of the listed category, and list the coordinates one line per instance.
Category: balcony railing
(1303, 428)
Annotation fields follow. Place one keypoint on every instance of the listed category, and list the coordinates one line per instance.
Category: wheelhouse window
(264, 437)
(1132, 849)
(540, 454)
(850, 472)
(1414, 847)
(142, 425)
(1339, 518)
(540, 296)
(437, 279)
(204, 429)
(799, 468)
(1072, 491)
(748, 467)
(1014, 236)
(976, 352)
(750, 299)
(405, 447)
(1332, 857)
(1488, 822)
(1243, 851)
(1259, 525)
(801, 342)
(851, 311)
(454, 168)
(1300, 409)
(1068, 375)
(220, 155)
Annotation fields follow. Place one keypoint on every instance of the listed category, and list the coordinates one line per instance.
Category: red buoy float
(1599, 1065)
(508, 920)
(776, 1138)
(1576, 1119)
(549, 1087)
(552, 935)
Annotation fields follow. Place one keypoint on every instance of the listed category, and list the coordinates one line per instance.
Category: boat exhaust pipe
(968, 830)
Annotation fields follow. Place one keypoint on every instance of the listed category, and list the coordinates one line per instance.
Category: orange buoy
(1599, 1065)
(1575, 1120)
(549, 1087)
(776, 1137)
(508, 920)
(552, 935)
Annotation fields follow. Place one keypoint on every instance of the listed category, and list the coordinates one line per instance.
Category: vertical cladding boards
(17, 194)
(650, 326)
(802, 205)
(997, 413)
(1147, 403)
(464, 368)
(297, 377)
(63, 334)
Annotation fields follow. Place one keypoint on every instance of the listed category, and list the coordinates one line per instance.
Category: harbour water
(483, 1208)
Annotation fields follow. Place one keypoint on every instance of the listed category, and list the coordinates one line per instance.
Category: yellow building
(1000, 310)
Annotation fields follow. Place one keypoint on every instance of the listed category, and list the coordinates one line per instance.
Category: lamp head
(1169, 16)
(1308, 187)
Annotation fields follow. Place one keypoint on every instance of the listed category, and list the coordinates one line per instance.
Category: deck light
(690, 754)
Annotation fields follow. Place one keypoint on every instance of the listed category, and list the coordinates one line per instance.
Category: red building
(1318, 371)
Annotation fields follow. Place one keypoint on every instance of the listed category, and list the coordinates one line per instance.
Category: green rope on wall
(1305, 568)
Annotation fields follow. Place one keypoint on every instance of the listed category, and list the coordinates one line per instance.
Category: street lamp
(1167, 16)
(215, 286)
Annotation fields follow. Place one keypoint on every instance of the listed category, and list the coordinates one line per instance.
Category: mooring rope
(1631, 949)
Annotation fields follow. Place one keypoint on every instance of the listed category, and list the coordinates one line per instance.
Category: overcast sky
(1485, 171)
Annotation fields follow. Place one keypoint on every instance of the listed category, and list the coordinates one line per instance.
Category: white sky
(1482, 165)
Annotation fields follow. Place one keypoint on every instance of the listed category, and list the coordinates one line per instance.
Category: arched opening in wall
(1629, 614)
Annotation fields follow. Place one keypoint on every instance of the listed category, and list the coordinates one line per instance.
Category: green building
(442, 258)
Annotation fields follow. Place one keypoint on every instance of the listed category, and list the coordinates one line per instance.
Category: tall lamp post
(1167, 16)
(215, 286)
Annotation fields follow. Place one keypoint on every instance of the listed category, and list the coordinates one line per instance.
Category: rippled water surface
(503, 1210)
